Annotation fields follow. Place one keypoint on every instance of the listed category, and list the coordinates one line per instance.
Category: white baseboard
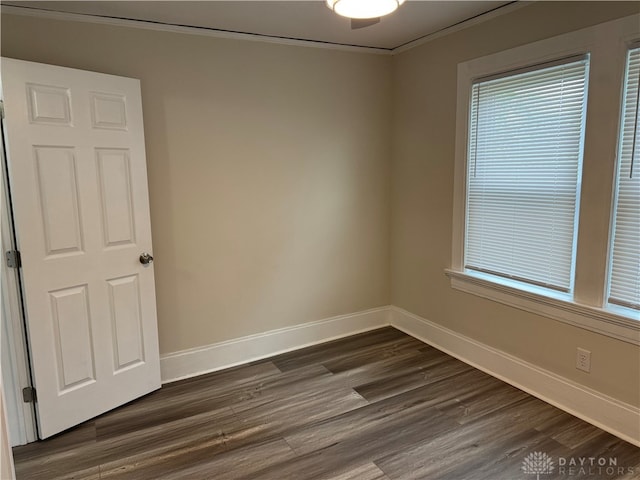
(614, 416)
(197, 361)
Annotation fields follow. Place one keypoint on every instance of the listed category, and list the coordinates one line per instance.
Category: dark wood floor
(376, 406)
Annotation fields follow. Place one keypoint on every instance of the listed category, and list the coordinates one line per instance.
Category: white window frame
(607, 44)
(614, 204)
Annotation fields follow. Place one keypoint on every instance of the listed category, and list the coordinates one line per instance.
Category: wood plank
(369, 471)
(200, 463)
(422, 374)
(482, 401)
(571, 431)
(337, 349)
(479, 442)
(362, 444)
(216, 391)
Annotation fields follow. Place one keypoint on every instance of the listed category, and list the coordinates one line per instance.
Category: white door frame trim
(13, 326)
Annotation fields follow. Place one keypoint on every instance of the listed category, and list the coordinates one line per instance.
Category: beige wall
(422, 202)
(268, 172)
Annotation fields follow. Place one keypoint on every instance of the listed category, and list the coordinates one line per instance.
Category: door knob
(146, 259)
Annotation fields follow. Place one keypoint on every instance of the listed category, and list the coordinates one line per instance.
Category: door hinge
(29, 395)
(13, 259)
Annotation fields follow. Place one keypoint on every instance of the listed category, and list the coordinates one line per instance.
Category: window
(545, 214)
(624, 275)
(524, 163)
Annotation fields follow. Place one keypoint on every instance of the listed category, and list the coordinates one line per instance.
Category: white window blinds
(524, 162)
(624, 283)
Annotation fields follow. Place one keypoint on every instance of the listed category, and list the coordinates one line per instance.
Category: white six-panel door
(79, 187)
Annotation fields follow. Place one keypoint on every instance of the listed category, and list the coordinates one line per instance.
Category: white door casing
(13, 350)
(78, 176)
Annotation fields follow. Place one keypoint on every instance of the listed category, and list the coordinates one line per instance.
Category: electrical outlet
(583, 360)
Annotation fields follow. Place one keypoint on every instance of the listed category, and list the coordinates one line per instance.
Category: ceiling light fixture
(364, 8)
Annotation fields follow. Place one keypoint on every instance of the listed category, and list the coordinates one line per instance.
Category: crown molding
(483, 17)
(217, 33)
(202, 31)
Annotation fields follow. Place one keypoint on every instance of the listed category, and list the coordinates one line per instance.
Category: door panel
(114, 176)
(73, 342)
(48, 104)
(124, 296)
(58, 192)
(79, 186)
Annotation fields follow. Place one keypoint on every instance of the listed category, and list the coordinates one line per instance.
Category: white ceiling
(305, 20)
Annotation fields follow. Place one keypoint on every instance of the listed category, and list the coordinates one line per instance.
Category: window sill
(590, 318)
